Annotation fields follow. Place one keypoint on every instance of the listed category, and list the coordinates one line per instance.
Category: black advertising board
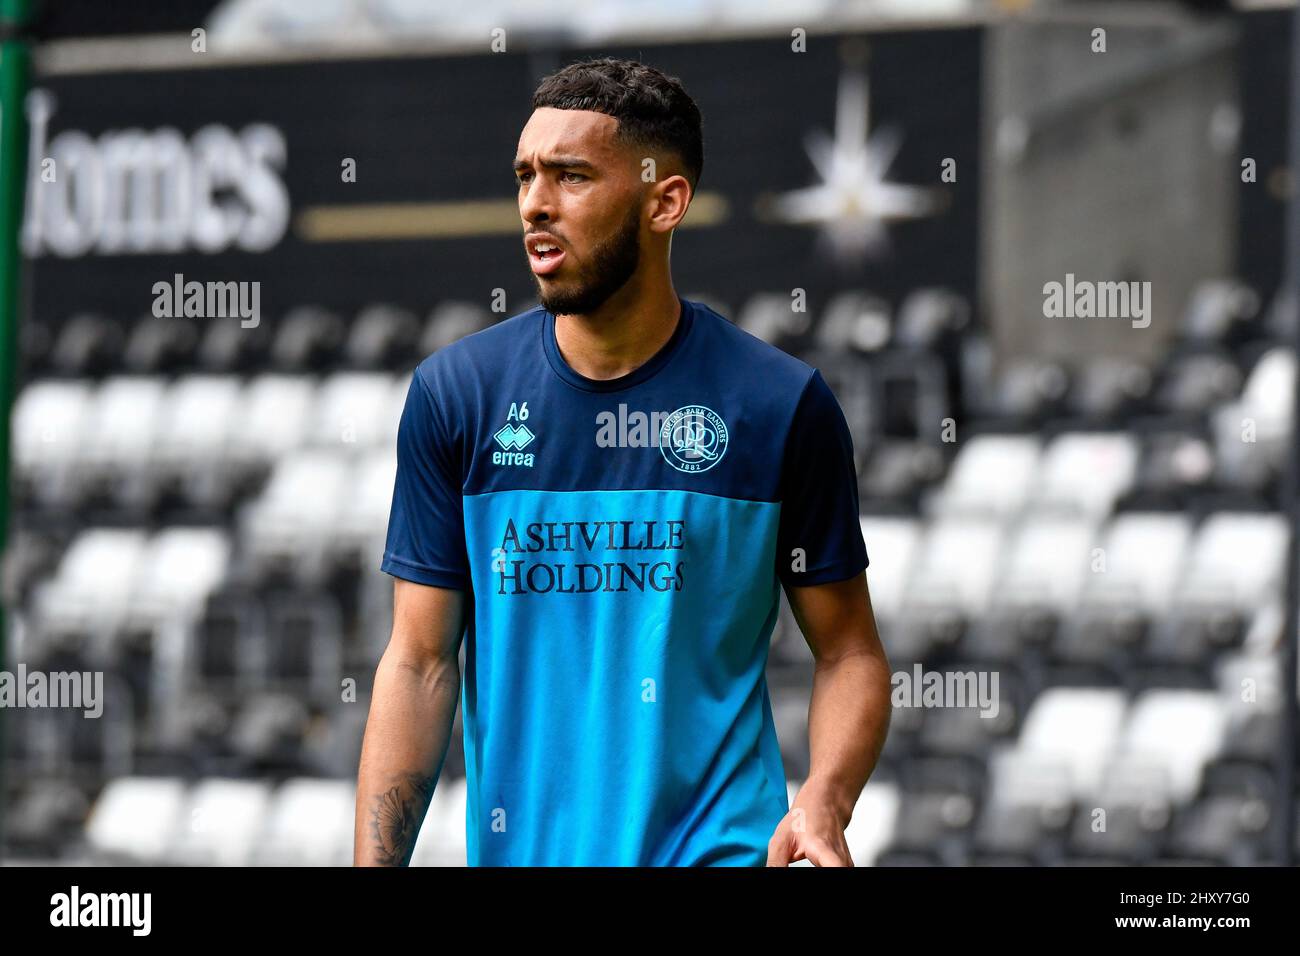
(238, 174)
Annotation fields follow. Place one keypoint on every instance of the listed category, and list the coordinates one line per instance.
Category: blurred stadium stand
(200, 511)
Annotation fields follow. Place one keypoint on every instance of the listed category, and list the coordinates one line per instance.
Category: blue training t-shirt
(624, 542)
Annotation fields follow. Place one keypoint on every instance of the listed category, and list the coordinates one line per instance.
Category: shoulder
(758, 365)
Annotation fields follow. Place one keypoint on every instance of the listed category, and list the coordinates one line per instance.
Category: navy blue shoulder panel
(713, 417)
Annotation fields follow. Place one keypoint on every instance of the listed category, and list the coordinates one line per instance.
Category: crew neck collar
(635, 377)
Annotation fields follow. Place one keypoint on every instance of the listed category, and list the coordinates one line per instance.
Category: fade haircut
(653, 110)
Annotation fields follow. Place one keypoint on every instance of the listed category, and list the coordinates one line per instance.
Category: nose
(535, 202)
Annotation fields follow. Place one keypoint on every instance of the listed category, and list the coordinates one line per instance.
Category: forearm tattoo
(396, 815)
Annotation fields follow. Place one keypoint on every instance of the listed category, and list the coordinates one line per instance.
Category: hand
(812, 830)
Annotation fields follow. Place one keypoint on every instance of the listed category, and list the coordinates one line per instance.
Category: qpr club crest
(693, 438)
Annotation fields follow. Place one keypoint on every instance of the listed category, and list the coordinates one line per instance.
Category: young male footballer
(605, 495)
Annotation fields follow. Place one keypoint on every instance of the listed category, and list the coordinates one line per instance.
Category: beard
(607, 270)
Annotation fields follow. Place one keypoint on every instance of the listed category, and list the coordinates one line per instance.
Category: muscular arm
(417, 685)
(848, 718)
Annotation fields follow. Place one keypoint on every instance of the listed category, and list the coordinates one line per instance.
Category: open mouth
(544, 256)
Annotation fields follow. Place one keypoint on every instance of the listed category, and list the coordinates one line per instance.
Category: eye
(576, 177)
(522, 178)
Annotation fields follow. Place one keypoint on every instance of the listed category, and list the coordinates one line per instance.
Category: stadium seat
(49, 420)
(230, 347)
(293, 519)
(849, 379)
(268, 732)
(308, 339)
(1175, 733)
(87, 345)
(1045, 569)
(1028, 390)
(449, 322)
(91, 591)
(274, 417)
(934, 822)
(309, 823)
(1085, 473)
(372, 495)
(1253, 435)
(1196, 382)
(135, 818)
(1250, 689)
(1214, 307)
(974, 726)
(118, 433)
(1107, 385)
(1226, 829)
(160, 345)
(1028, 805)
(1130, 583)
(991, 475)
(1076, 727)
(45, 816)
(221, 822)
(194, 432)
(352, 412)
(442, 837)
(891, 544)
(790, 716)
(1234, 568)
(951, 580)
(382, 336)
(872, 824)
(230, 643)
(178, 571)
(305, 651)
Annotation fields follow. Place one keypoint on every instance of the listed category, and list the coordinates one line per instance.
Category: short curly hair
(652, 109)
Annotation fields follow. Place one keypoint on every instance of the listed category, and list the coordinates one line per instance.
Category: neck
(623, 334)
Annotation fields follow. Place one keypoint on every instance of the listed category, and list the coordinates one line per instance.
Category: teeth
(545, 247)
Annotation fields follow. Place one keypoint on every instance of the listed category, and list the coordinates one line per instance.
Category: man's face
(579, 194)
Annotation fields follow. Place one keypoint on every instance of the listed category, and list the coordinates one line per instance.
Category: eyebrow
(557, 162)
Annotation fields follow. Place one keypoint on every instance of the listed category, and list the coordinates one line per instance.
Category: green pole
(14, 63)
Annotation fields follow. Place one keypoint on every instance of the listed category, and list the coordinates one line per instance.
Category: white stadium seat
(956, 566)
(136, 817)
(221, 822)
(1175, 732)
(1237, 561)
(309, 823)
(991, 475)
(1142, 555)
(273, 417)
(1079, 727)
(1085, 473)
(1047, 564)
(92, 588)
(891, 544)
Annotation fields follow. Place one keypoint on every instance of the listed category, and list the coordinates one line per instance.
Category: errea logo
(514, 438)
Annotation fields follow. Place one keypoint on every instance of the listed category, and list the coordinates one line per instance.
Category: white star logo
(853, 203)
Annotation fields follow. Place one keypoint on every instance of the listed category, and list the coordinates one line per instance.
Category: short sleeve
(426, 525)
(819, 494)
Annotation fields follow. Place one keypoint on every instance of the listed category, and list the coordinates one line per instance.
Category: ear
(668, 201)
